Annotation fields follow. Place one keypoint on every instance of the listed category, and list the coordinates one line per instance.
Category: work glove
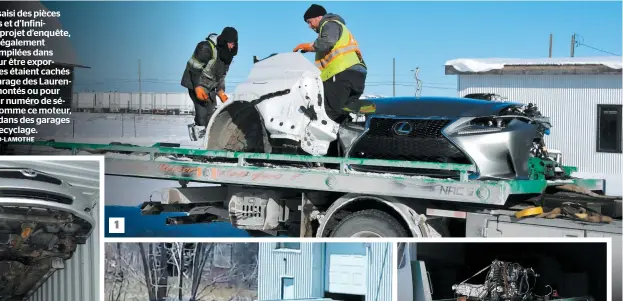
(305, 47)
(201, 93)
(221, 94)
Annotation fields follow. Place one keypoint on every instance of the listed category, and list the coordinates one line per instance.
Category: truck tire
(369, 223)
(239, 128)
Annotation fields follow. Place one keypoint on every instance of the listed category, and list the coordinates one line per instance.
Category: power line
(581, 43)
(594, 48)
(176, 82)
(367, 84)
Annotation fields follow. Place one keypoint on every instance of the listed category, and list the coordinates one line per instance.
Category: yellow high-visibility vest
(195, 63)
(344, 54)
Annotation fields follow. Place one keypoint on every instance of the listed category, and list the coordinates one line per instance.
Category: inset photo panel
(50, 228)
(326, 135)
(249, 271)
(505, 271)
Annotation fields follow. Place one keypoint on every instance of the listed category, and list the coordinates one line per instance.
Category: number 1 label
(116, 225)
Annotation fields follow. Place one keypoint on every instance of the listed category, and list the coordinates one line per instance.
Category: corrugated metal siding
(274, 264)
(571, 102)
(318, 269)
(79, 280)
(380, 272)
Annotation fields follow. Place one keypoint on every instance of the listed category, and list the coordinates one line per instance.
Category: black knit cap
(229, 35)
(313, 11)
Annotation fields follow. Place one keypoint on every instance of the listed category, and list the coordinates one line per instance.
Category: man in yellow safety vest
(342, 69)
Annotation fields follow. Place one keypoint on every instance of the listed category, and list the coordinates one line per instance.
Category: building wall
(380, 272)
(571, 102)
(307, 267)
(128, 102)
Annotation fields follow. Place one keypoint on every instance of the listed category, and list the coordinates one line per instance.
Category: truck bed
(166, 161)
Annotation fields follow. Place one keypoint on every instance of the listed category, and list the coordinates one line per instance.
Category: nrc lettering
(460, 191)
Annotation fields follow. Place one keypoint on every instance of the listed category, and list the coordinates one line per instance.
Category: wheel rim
(366, 234)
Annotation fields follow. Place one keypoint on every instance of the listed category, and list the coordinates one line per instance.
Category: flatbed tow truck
(292, 195)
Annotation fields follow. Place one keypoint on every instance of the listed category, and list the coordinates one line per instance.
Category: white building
(583, 97)
(325, 271)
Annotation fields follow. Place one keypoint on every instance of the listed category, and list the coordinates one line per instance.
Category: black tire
(371, 220)
(239, 128)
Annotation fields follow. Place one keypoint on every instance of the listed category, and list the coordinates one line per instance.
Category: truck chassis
(310, 196)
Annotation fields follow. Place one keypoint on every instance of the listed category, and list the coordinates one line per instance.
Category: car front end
(497, 138)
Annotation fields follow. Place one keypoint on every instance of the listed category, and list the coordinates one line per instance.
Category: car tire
(369, 222)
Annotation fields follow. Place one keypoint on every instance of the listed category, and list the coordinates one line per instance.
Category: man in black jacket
(204, 76)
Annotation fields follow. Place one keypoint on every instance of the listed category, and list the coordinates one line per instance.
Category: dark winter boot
(196, 132)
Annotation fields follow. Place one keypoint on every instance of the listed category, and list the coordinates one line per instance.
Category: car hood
(446, 107)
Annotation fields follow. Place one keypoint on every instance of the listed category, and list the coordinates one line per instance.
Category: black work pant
(342, 90)
(203, 109)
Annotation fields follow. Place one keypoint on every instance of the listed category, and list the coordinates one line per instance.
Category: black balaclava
(229, 35)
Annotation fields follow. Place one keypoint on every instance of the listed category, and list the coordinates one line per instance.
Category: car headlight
(482, 125)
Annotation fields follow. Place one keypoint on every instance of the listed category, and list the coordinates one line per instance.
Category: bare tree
(178, 270)
(114, 273)
(175, 261)
(123, 271)
(199, 263)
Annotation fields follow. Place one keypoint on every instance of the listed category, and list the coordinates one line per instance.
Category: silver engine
(505, 281)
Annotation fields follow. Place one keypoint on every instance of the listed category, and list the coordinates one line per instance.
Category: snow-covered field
(127, 128)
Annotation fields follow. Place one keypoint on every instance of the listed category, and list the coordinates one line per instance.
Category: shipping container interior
(566, 269)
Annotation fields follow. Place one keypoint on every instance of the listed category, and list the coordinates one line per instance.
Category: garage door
(346, 268)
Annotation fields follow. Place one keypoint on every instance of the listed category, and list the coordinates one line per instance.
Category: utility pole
(573, 45)
(418, 82)
(394, 80)
(140, 90)
(551, 38)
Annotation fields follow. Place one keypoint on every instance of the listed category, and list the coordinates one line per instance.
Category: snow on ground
(487, 64)
(133, 289)
(141, 129)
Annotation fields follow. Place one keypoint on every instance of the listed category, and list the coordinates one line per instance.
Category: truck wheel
(369, 223)
(238, 128)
